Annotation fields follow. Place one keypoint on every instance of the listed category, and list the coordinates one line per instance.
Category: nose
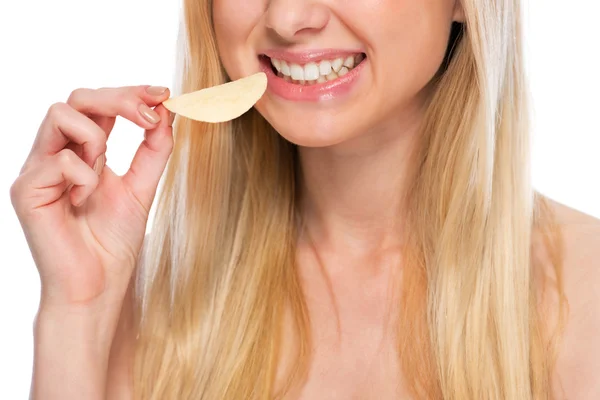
(292, 19)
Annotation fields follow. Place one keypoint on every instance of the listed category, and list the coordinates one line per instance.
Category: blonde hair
(219, 270)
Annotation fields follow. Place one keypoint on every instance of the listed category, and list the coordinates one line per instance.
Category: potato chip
(222, 102)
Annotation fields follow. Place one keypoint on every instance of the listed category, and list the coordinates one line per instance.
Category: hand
(85, 227)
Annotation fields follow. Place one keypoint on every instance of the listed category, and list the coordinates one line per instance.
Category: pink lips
(315, 92)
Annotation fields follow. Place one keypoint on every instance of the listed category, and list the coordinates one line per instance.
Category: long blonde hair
(219, 266)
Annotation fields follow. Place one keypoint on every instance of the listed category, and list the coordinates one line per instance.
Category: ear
(459, 14)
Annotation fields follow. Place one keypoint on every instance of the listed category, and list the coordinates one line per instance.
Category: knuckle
(127, 98)
(132, 106)
(66, 157)
(57, 109)
(97, 148)
(18, 196)
(139, 91)
(116, 93)
(76, 95)
(102, 146)
(98, 141)
(15, 191)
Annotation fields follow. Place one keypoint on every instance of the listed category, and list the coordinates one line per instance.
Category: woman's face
(390, 48)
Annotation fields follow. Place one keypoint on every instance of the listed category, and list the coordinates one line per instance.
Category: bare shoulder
(581, 235)
(579, 357)
(120, 365)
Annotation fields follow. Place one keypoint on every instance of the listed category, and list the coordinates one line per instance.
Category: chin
(312, 139)
(316, 131)
(308, 126)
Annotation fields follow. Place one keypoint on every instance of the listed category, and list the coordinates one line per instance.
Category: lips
(312, 76)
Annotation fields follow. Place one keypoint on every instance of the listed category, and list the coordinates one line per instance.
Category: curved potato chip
(222, 102)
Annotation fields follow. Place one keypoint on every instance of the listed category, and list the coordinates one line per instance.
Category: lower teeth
(321, 79)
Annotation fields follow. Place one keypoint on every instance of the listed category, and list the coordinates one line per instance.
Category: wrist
(71, 353)
(84, 327)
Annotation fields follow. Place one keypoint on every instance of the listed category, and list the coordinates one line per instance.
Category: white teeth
(296, 72)
(324, 68)
(349, 62)
(277, 64)
(285, 68)
(311, 72)
(332, 76)
(337, 64)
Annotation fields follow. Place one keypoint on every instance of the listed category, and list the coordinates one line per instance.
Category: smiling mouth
(314, 72)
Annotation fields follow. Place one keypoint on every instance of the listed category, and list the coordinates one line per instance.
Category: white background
(49, 48)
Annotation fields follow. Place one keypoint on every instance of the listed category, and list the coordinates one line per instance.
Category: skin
(359, 363)
(347, 149)
(404, 40)
(85, 226)
(578, 361)
(348, 145)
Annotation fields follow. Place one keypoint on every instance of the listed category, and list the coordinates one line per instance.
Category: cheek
(412, 37)
(233, 15)
(234, 22)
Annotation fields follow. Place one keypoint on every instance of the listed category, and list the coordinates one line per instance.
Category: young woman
(368, 230)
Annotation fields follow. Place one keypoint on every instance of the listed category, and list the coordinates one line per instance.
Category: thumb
(151, 159)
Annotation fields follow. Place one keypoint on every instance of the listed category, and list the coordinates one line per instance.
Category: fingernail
(156, 90)
(148, 113)
(99, 164)
(171, 118)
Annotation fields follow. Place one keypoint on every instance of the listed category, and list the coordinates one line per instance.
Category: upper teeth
(313, 71)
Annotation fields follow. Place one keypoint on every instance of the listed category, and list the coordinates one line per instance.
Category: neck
(352, 193)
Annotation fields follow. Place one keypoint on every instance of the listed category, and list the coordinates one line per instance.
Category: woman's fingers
(150, 159)
(64, 125)
(46, 182)
(66, 122)
(131, 102)
(72, 139)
